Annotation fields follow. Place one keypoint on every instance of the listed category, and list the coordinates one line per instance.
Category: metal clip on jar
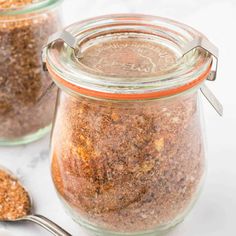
(128, 154)
(25, 114)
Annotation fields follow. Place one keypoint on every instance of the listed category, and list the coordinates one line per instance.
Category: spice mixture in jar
(26, 103)
(128, 167)
(128, 154)
(14, 200)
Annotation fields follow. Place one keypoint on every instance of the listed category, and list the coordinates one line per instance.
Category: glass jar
(25, 113)
(127, 147)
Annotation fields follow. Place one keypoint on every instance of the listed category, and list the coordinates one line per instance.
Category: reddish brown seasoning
(22, 80)
(14, 200)
(128, 166)
(14, 3)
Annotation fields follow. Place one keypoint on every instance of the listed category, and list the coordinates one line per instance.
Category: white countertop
(215, 212)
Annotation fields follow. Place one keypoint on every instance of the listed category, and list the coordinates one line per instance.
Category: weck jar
(127, 147)
(26, 100)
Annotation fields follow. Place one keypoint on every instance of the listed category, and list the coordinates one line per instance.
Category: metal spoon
(38, 219)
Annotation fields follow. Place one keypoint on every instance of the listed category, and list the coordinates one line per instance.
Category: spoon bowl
(38, 219)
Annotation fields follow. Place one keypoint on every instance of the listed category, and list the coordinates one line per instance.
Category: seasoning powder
(127, 166)
(22, 80)
(14, 200)
(14, 3)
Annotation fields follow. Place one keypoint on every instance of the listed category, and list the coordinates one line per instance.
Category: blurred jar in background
(26, 102)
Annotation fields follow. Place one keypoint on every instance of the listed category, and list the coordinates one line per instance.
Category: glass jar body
(26, 107)
(128, 167)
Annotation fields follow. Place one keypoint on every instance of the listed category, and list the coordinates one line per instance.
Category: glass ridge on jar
(26, 108)
(127, 147)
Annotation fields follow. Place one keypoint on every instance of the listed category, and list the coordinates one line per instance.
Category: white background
(215, 212)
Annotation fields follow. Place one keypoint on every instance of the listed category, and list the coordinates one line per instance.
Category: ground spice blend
(128, 168)
(25, 113)
(127, 159)
(14, 200)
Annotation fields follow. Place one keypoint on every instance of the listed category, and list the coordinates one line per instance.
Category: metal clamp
(209, 47)
(211, 98)
(213, 50)
(67, 38)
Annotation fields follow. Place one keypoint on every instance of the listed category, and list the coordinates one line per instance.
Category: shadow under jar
(128, 155)
(26, 107)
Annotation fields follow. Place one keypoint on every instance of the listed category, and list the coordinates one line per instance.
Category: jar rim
(190, 70)
(30, 8)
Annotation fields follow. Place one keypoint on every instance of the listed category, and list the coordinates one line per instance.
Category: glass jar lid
(128, 56)
(16, 7)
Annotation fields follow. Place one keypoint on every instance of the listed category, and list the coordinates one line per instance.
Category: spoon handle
(47, 224)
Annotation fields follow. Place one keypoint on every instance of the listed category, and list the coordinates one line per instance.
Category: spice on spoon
(15, 205)
(14, 200)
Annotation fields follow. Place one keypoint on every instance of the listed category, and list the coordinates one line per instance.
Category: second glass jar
(26, 107)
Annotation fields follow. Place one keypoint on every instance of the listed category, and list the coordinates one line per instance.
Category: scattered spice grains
(22, 80)
(14, 200)
(131, 166)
